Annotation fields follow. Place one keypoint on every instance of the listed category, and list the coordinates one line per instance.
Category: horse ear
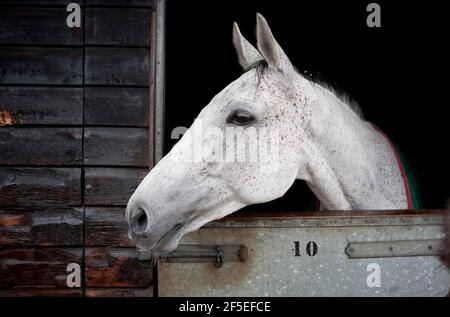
(247, 53)
(269, 47)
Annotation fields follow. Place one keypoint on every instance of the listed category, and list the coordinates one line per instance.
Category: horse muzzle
(153, 230)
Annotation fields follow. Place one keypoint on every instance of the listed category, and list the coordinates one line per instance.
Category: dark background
(392, 71)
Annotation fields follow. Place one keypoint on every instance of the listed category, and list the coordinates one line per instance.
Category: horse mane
(342, 96)
(261, 66)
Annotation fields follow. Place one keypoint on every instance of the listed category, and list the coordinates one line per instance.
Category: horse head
(242, 149)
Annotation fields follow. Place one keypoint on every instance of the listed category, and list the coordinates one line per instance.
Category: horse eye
(240, 117)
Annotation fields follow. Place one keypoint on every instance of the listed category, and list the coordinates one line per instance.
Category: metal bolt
(218, 262)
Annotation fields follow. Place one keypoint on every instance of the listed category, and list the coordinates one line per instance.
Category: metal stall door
(326, 254)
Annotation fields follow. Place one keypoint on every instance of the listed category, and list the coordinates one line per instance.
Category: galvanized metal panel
(279, 264)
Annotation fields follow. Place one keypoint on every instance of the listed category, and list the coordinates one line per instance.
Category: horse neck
(334, 144)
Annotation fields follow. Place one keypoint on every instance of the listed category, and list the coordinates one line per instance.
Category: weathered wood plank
(119, 292)
(41, 291)
(20, 25)
(116, 146)
(40, 187)
(36, 2)
(119, 2)
(59, 227)
(41, 146)
(48, 106)
(116, 106)
(131, 66)
(113, 26)
(39, 65)
(108, 267)
(111, 186)
(22, 267)
(106, 227)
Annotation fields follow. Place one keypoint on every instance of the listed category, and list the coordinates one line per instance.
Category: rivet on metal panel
(243, 253)
(218, 262)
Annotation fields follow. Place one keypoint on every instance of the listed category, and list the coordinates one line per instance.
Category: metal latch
(217, 254)
(401, 248)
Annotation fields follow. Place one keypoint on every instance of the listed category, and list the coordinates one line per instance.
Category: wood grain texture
(20, 25)
(43, 105)
(58, 227)
(24, 267)
(106, 227)
(111, 186)
(116, 146)
(42, 227)
(131, 66)
(116, 106)
(40, 146)
(117, 26)
(36, 2)
(119, 292)
(39, 65)
(40, 187)
(41, 291)
(109, 267)
(119, 2)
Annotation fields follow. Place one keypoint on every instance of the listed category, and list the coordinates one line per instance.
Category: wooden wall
(74, 144)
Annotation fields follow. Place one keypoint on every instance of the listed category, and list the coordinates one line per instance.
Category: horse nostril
(140, 222)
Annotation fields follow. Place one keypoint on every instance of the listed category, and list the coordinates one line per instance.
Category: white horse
(346, 161)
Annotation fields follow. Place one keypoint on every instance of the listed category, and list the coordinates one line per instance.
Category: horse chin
(160, 248)
(166, 244)
(169, 241)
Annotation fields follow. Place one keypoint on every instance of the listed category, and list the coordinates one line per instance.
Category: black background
(392, 71)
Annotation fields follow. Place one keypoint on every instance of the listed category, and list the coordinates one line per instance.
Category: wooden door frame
(157, 82)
